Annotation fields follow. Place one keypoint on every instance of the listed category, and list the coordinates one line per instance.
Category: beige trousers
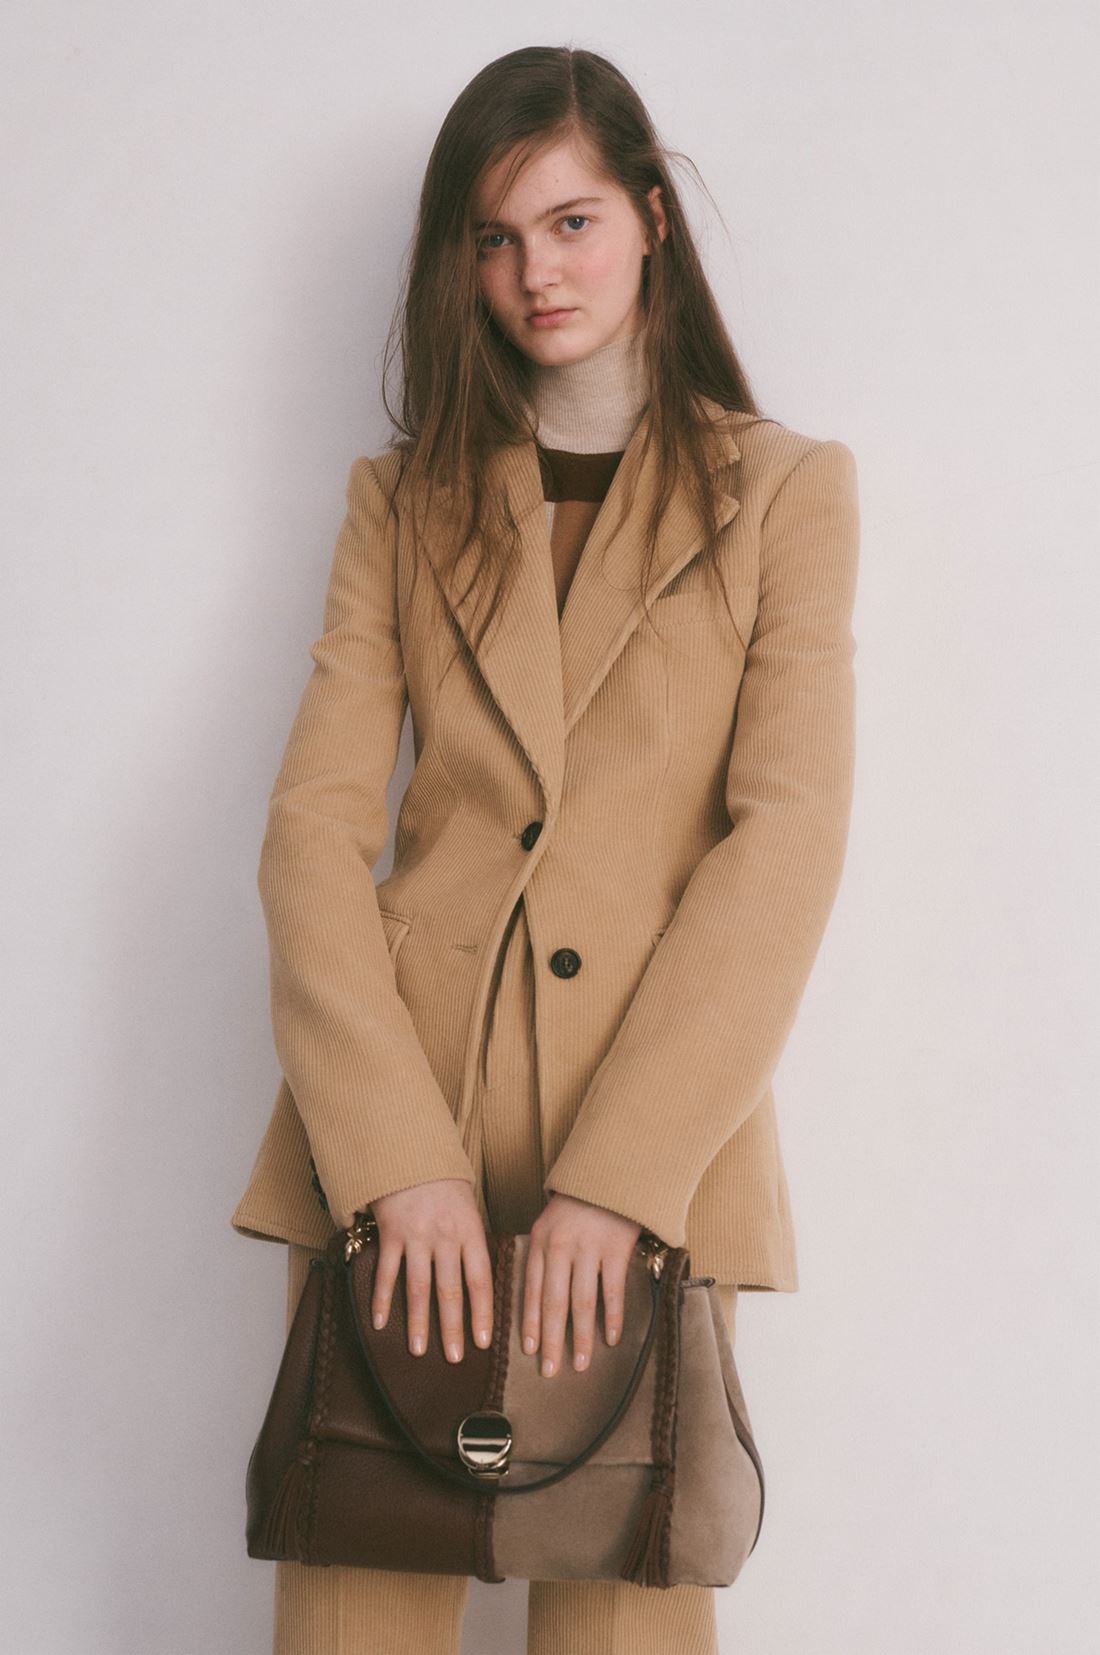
(346, 1611)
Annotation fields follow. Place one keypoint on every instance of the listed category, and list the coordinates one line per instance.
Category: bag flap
(604, 1411)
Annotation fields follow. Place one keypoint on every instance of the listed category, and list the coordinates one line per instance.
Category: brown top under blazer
(671, 809)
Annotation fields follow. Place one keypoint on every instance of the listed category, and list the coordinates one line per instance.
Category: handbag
(641, 1466)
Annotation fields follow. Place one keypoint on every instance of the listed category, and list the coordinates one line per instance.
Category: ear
(657, 206)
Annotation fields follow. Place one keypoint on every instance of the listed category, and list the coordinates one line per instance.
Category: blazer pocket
(396, 927)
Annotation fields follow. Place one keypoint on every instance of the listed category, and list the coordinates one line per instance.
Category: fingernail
(580, 1360)
(547, 1368)
(452, 1350)
(378, 1318)
(483, 1335)
(418, 1344)
(528, 1342)
(612, 1335)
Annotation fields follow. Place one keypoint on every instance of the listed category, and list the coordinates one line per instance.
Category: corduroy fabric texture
(673, 811)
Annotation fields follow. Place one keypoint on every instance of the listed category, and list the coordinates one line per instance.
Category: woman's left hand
(573, 1244)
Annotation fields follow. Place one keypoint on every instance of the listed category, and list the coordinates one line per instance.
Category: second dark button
(565, 962)
(530, 834)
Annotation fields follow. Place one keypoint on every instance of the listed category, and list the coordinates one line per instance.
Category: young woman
(617, 601)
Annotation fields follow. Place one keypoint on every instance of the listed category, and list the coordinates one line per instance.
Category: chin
(564, 344)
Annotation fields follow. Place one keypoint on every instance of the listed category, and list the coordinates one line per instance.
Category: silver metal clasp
(485, 1444)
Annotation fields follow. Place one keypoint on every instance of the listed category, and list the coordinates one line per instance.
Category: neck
(591, 406)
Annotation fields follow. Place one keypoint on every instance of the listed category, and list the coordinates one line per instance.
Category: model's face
(563, 239)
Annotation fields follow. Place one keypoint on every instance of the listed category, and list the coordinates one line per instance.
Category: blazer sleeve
(373, 1112)
(706, 1026)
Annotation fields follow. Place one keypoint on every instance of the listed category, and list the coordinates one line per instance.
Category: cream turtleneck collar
(592, 406)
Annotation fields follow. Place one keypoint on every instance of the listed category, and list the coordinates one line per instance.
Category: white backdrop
(207, 206)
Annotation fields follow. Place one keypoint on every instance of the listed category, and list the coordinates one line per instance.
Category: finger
(586, 1282)
(479, 1285)
(390, 1255)
(532, 1299)
(448, 1290)
(614, 1301)
(418, 1292)
(555, 1310)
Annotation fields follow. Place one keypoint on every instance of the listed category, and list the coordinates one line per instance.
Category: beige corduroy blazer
(694, 804)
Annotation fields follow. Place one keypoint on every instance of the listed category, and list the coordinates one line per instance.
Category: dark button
(565, 962)
(530, 834)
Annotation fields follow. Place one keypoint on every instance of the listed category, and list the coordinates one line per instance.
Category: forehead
(551, 180)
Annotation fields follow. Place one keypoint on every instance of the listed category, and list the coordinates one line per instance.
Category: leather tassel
(283, 1518)
(643, 1560)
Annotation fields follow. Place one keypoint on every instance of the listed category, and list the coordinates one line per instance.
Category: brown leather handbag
(640, 1467)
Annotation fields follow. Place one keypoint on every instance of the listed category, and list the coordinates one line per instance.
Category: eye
(483, 247)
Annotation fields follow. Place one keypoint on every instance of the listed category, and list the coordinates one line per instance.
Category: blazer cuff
(658, 1219)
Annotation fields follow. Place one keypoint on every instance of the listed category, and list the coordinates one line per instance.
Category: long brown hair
(464, 384)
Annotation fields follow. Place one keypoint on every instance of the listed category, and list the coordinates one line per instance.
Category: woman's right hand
(434, 1224)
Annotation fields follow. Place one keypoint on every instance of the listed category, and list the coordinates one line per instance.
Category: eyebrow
(551, 212)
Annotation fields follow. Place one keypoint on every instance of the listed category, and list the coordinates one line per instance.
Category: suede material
(729, 1368)
(576, 1527)
(554, 1419)
(716, 1507)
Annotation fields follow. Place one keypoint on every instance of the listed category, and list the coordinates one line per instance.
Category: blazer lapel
(542, 672)
(604, 605)
(519, 656)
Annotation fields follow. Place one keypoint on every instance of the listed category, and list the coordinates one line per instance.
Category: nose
(538, 269)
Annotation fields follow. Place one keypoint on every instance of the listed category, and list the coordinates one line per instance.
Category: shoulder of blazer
(771, 451)
(380, 471)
